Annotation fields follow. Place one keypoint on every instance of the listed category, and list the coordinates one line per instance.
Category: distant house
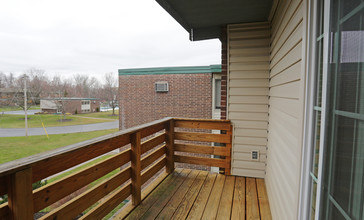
(149, 94)
(73, 105)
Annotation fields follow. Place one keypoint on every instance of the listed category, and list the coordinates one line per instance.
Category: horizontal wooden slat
(77, 205)
(146, 175)
(152, 129)
(65, 161)
(213, 162)
(149, 159)
(153, 142)
(218, 151)
(106, 206)
(4, 211)
(191, 136)
(65, 157)
(212, 125)
(51, 193)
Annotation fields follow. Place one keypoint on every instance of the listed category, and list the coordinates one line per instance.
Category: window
(337, 184)
(217, 93)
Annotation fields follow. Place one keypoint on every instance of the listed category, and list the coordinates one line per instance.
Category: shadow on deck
(195, 194)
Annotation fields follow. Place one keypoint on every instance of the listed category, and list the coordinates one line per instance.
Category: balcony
(146, 176)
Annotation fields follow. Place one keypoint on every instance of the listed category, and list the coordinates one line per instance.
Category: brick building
(73, 105)
(149, 94)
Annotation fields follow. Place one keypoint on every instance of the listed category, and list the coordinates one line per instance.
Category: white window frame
(309, 122)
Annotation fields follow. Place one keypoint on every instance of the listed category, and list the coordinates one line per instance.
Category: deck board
(252, 206)
(238, 209)
(196, 194)
(174, 202)
(214, 199)
(188, 201)
(198, 207)
(226, 200)
(263, 200)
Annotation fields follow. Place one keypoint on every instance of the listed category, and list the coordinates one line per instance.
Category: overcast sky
(95, 37)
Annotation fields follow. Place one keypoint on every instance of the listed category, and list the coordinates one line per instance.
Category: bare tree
(37, 82)
(110, 90)
(60, 88)
(18, 98)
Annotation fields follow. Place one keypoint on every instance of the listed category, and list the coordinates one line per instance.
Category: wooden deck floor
(194, 194)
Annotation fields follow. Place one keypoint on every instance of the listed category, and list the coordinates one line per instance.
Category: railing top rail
(23, 163)
(202, 120)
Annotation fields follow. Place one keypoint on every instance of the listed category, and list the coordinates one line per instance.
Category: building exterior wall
(72, 106)
(247, 108)
(189, 95)
(286, 104)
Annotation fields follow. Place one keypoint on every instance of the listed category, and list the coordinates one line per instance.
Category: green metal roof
(171, 70)
(203, 19)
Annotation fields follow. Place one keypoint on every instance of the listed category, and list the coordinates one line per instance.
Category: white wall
(248, 82)
(286, 104)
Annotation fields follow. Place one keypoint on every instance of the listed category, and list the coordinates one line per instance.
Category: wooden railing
(153, 146)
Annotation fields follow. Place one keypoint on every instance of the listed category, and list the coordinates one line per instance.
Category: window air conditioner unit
(161, 86)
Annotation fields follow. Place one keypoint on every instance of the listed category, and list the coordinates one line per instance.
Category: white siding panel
(251, 124)
(248, 108)
(288, 90)
(248, 148)
(252, 132)
(288, 106)
(248, 99)
(248, 172)
(250, 140)
(249, 74)
(249, 83)
(288, 60)
(248, 90)
(248, 116)
(285, 113)
(247, 156)
(252, 165)
(289, 75)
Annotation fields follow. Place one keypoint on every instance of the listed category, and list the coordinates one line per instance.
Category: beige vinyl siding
(248, 89)
(285, 109)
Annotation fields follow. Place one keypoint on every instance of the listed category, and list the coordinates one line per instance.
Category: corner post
(20, 195)
(135, 140)
(170, 146)
(229, 149)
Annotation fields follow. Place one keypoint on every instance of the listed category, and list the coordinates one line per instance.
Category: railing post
(20, 195)
(135, 140)
(229, 148)
(170, 146)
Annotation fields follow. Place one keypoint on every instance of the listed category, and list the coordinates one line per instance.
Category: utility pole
(25, 105)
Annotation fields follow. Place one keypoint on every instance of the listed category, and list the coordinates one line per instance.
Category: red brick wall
(189, 95)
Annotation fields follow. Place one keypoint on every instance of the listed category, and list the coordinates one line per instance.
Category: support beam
(20, 195)
(136, 181)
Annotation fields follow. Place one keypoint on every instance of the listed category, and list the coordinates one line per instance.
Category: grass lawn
(12, 148)
(102, 115)
(17, 121)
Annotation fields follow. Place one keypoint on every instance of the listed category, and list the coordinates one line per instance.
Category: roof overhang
(203, 19)
(171, 70)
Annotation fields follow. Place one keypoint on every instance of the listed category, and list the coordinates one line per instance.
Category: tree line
(40, 85)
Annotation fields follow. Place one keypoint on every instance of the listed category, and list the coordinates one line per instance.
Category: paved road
(30, 112)
(17, 132)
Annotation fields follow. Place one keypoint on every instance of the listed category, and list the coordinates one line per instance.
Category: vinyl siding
(248, 89)
(285, 109)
